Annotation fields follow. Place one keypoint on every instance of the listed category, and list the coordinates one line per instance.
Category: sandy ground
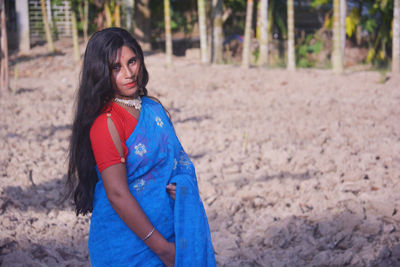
(295, 169)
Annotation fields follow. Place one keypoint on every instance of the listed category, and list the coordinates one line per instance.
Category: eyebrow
(118, 63)
(115, 64)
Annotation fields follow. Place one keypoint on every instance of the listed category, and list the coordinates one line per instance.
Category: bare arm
(126, 206)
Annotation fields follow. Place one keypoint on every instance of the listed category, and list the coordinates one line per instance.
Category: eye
(132, 60)
(116, 66)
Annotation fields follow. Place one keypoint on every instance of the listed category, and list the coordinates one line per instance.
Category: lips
(130, 84)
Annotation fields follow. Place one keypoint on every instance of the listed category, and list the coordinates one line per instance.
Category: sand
(294, 168)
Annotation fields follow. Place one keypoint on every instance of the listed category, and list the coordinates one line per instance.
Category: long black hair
(95, 91)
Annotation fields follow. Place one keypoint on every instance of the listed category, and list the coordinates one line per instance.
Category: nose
(128, 72)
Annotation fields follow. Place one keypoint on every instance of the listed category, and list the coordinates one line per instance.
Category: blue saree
(155, 159)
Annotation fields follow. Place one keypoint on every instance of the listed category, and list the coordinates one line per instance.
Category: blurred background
(289, 111)
(300, 33)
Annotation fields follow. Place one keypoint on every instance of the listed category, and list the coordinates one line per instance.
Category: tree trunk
(168, 37)
(49, 37)
(247, 35)
(85, 20)
(107, 14)
(129, 11)
(22, 9)
(203, 30)
(142, 23)
(75, 35)
(343, 10)
(83, 15)
(117, 14)
(4, 50)
(396, 39)
(291, 65)
(263, 58)
(218, 33)
(337, 53)
(258, 18)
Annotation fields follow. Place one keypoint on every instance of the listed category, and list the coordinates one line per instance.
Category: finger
(171, 187)
(171, 192)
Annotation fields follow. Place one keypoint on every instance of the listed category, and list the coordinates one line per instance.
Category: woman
(127, 167)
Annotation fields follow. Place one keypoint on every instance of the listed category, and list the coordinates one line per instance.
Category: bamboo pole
(75, 36)
(107, 13)
(337, 54)
(22, 10)
(49, 37)
(247, 35)
(291, 65)
(129, 9)
(343, 11)
(117, 14)
(263, 59)
(217, 32)
(4, 51)
(396, 38)
(203, 30)
(168, 37)
(85, 20)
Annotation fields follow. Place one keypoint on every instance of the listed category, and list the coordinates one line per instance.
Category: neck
(136, 102)
(126, 97)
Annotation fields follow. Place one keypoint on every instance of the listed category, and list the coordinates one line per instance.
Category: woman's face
(124, 73)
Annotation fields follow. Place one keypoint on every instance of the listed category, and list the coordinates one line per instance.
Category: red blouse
(104, 150)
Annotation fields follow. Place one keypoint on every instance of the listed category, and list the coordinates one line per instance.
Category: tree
(217, 36)
(142, 23)
(396, 38)
(343, 10)
(291, 65)
(4, 50)
(263, 59)
(203, 30)
(168, 37)
(85, 20)
(117, 14)
(107, 13)
(337, 53)
(22, 9)
(247, 35)
(46, 25)
(84, 16)
(75, 34)
(129, 14)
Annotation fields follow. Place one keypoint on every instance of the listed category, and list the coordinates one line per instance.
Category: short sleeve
(103, 147)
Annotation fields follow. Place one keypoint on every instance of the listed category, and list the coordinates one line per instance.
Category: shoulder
(150, 101)
(99, 125)
(153, 104)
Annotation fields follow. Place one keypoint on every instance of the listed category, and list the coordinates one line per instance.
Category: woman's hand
(168, 255)
(171, 189)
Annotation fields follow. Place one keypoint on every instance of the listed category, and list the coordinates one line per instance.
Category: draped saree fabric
(155, 159)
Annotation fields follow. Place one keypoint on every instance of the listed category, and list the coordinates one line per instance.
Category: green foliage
(236, 5)
(183, 16)
(307, 51)
(352, 20)
(378, 23)
(370, 25)
(58, 2)
(256, 55)
(374, 17)
(319, 3)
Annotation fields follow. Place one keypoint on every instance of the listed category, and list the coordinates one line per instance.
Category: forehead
(124, 53)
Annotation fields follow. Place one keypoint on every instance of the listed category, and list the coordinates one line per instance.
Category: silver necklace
(136, 103)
